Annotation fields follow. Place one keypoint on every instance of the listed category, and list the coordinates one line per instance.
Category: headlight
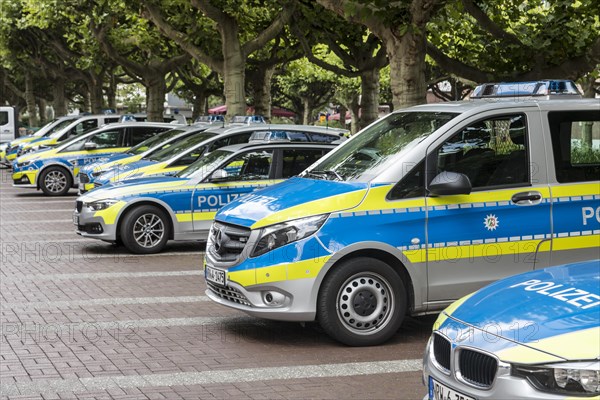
(279, 235)
(97, 173)
(24, 164)
(101, 204)
(576, 378)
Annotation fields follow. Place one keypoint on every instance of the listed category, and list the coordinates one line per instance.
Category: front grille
(79, 206)
(228, 293)
(441, 351)
(83, 178)
(227, 241)
(477, 368)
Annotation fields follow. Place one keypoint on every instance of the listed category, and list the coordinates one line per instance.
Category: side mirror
(449, 183)
(219, 175)
(90, 146)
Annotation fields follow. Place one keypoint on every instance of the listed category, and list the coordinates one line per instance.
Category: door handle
(526, 198)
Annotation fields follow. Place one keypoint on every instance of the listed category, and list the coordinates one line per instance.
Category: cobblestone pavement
(85, 319)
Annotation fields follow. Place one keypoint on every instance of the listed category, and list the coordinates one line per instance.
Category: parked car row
(414, 215)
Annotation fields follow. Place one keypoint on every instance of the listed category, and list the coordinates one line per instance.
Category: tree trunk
(156, 90)
(407, 68)
(306, 111)
(96, 99)
(111, 92)
(59, 102)
(42, 105)
(342, 109)
(87, 106)
(30, 100)
(234, 69)
(369, 103)
(200, 104)
(262, 91)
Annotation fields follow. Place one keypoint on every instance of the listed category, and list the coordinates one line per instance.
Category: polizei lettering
(216, 200)
(577, 297)
(589, 213)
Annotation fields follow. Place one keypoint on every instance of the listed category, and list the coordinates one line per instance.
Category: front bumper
(26, 179)
(505, 385)
(88, 224)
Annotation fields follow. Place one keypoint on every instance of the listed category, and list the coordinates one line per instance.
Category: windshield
(374, 149)
(180, 147)
(154, 140)
(58, 127)
(205, 165)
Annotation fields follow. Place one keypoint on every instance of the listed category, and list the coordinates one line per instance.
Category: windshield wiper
(328, 174)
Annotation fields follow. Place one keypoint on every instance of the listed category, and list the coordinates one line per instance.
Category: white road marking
(98, 275)
(49, 387)
(36, 305)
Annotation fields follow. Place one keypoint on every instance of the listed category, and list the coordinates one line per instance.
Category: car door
(246, 172)
(94, 147)
(576, 190)
(504, 223)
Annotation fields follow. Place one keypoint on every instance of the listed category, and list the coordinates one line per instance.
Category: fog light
(273, 299)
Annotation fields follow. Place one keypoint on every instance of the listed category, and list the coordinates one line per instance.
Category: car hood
(134, 187)
(292, 199)
(116, 161)
(43, 154)
(125, 171)
(540, 308)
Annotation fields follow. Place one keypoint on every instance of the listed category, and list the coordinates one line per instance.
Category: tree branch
(270, 32)
(457, 67)
(153, 13)
(487, 24)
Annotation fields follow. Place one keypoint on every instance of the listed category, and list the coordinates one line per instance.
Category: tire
(55, 181)
(145, 230)
(362, 302)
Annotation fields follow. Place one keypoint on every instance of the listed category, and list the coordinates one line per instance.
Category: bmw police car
(145, 213)
(531, 336)
(11, 148)
(75, 128)
(144, 150)
(448, 197)
(177, 157)
(54, 170)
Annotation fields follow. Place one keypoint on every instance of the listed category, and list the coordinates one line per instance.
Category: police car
(54, 171)
(9, 150)
(438, 218)
(532, 336)
(79, 126)
(145, 213)
(180, 155)
(116, 163)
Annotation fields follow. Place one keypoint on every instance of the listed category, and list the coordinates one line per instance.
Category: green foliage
(584, 155)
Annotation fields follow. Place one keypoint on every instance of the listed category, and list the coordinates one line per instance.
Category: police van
(420, 208)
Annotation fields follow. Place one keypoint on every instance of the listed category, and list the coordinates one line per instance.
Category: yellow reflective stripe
(31, 175)
(110, 214)
(581, 189)
(578, 345)
(375, 200)
(199, 216)
(88, 186)
(575, 242)
(472, 251)
(322, 206)
(500, 249)
(485, 197)
(289, 271)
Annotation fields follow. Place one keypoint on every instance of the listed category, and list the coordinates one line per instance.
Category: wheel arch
(380, 251)
(53, 164)
(147, 202)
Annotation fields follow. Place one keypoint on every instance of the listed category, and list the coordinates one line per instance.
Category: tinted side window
(237, 139)
(107, 139)
(322, 138)
(412, 185)
(141, 133)
(3, 117)
(296, 161)
(190, 157)
(297, 136)
(575, 145)
(82, 127)
(111, 120)
(250, 166)
(491, 152)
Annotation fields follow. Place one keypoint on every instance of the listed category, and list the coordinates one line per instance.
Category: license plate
(438, 391)
(76, 219)
(215, 276)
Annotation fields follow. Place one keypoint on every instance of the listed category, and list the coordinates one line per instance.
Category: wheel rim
(55, 181)
(148, 230)
(365, 303)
